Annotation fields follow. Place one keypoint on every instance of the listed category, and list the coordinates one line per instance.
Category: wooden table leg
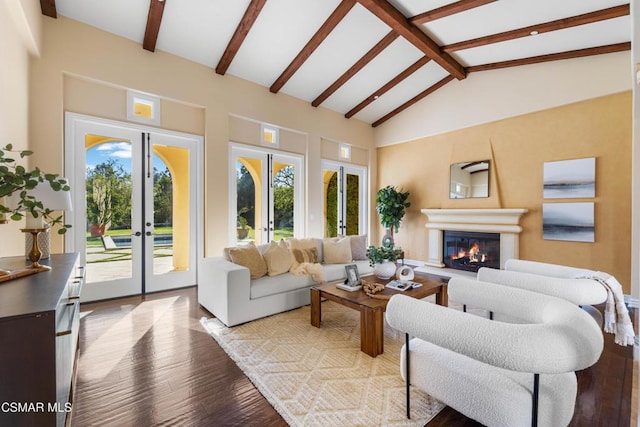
(372, 331)
(316, 308)
(442, 297)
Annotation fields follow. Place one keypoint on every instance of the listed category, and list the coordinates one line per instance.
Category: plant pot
(242, 233)
(385, 270)
(96, 230)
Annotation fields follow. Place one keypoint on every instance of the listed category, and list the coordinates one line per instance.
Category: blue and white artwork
(568, 221)
(570, 179)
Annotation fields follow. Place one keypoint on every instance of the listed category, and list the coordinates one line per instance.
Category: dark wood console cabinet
(39, 323)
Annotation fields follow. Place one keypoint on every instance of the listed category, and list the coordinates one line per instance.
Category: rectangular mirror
(469, 179)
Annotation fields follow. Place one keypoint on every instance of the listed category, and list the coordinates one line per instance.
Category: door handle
(137, 233)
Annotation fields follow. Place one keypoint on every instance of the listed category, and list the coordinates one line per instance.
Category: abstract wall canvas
(570, 178)
(568, 221)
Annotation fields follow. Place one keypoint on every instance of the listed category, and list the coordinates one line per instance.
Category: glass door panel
(352, 202)
(330, 199)
(112, 253)
(170, 189)
(249, 191)
(283, 200)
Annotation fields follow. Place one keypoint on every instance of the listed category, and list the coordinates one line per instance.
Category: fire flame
(473, 253)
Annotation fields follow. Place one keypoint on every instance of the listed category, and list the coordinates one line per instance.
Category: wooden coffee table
(372, 309)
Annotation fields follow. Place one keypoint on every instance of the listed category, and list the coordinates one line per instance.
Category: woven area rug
(318, 376)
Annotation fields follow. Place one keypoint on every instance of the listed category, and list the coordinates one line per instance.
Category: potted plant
(15, 178)
(383, 260)
(390, 205)
(242, 224)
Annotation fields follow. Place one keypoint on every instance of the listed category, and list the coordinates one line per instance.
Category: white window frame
(139, 97)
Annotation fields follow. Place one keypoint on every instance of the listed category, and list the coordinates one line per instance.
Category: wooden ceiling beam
(559, 24)
(579, 53)
(48, 8)
(355, 68)
(397, 21)
(154, 19)
(243, 28)
(447, 10)
(412, 101)
(393, 82)
(334, 19)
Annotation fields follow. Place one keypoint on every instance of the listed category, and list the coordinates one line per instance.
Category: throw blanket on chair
(616, 315)
(309, 269)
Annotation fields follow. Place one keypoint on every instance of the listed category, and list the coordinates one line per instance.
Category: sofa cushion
(337, 251)
(304, 255)
(358, 247)
(249, 256)
(277, 257)
(307, 243)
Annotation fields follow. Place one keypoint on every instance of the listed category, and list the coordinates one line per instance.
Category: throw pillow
(359, 247)
(305, 245)
(249, 256)
(278, 258)
(305, 255)
(337, 252)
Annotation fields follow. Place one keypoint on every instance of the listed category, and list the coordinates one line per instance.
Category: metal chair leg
(536, 391)
(408, 382)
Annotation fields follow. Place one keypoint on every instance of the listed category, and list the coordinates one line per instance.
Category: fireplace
(501, 222)
(464, 250)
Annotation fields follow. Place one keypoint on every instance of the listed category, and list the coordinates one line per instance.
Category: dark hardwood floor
(146, 361)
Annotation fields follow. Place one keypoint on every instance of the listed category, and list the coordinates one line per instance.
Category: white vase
(385, 270)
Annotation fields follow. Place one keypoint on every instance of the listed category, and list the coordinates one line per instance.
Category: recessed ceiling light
(534, 33)
(376, 96)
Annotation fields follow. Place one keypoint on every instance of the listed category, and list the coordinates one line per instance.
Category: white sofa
(226, 290)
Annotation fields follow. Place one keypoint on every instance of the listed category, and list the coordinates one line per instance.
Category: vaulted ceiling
(368, 59)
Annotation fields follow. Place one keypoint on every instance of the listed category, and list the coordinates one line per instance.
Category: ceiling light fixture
(534, 33)
(376, 96)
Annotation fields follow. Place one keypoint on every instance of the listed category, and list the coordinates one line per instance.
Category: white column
(434, 254)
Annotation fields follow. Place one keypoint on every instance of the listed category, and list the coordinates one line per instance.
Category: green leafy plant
(16, 178)
(379, 254)
(242, 222)
(391, 205)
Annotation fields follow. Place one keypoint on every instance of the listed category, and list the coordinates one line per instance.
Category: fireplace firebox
(469, 251)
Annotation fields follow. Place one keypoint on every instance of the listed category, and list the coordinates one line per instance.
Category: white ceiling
(200, 30)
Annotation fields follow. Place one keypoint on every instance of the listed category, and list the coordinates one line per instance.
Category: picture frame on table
(353, 276)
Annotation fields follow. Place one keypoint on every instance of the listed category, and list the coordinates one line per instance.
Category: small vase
(385, 270)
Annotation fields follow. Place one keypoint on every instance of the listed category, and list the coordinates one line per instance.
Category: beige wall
(14, 93)
(518, 148)
(74, 49)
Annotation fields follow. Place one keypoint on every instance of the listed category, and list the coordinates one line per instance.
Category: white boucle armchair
(499, 374)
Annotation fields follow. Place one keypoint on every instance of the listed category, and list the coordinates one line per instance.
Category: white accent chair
(569, 283)
(499, 374)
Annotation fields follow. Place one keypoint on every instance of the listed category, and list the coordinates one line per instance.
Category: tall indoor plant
(391, 204)
(15, 178)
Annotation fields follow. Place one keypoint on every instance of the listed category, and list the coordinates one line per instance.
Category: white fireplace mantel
(503, 221)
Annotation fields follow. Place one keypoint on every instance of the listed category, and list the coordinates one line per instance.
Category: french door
(266, 195)
(135, 203)
(344, 199)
